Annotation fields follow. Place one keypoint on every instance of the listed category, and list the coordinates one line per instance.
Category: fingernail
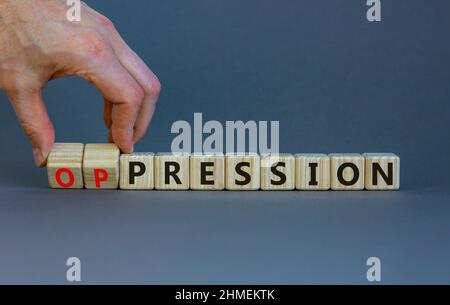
(38, 157)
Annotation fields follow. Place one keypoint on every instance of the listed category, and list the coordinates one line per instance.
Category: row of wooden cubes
(101, 166)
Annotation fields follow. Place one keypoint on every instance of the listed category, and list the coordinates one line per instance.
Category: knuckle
(35, 127)
(138, 94)
(135, 96)
(105, 22)
(153, 86)
(30, 129)
(95, 46)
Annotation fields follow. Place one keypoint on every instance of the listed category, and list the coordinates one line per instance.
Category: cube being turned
(207, 171)
(277, 172)
(136, 171)
(242, 171)
(347, 172)
(101, 166)
(64, 166)
(382, 171)
(172, 171)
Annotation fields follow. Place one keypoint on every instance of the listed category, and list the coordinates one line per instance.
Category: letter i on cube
(312, 172)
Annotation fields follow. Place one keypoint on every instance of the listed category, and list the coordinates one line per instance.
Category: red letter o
(69, 173)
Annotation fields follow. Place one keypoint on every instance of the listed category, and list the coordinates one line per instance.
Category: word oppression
(101, 166)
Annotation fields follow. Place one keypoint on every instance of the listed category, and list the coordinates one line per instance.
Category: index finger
(124, 93)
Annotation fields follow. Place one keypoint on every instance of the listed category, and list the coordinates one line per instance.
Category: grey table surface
(194, 237)
(334, 81)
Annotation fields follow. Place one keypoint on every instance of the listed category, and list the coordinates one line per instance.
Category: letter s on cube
(242, 171)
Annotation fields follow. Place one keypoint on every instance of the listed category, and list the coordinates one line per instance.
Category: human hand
(38, 44)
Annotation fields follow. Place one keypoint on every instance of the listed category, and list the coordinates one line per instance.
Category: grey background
(336, 83)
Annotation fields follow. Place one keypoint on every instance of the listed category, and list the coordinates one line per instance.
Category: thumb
(35, 122)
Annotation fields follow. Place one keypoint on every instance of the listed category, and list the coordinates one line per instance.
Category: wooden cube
(242, 171)
(347, 172)
(312, 172)
(101, 166)
(64, 166)
(207, 171)
(136, 171)
(382, 171)
(277, 172)
(172, 171)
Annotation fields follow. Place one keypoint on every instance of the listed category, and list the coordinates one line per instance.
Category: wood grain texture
(312, 172)
(101, 158)
(277, 172)
(66, 157)
(347, 172)
(242, 172)
(207, 172)
(389, 164)
(171, 171)
(136, 171)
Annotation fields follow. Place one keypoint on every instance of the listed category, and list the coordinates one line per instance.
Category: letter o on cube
(64, 166)
(347, 172)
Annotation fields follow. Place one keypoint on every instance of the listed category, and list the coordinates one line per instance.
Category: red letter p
(100, 175)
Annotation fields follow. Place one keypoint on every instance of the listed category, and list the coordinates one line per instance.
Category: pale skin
(38, 44)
